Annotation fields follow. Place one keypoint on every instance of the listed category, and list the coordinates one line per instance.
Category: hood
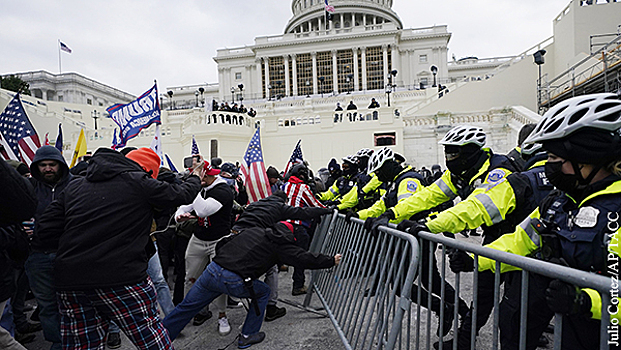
(217, 181)
(107, 163)
(48, 153)
(167, 176)
(280, 234)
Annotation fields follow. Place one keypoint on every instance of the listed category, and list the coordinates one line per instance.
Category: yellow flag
(80, 148)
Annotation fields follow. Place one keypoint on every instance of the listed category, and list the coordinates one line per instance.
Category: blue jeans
(215, 281)
(154, 270)
(39, 268)
(6, 319)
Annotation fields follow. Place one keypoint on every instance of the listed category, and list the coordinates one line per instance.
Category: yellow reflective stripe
(404, 196)
(531, 232)
(446, 189)
(490, 207)
(596, 303)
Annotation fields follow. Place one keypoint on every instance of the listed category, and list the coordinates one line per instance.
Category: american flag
(67, 49)
(329, 7)
(257, 183)
(18, 135)
(194, 146)
(296, 157)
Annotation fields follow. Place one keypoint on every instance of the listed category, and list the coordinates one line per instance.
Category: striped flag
(18, 134)
(194, 146)
(47, 139)
(329, 7)
(296, 157)
(257, 183)
(66, 48)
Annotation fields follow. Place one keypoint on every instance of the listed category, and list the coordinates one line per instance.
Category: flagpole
(60, 71)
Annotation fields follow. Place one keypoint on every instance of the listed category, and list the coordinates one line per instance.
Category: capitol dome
(309, 15)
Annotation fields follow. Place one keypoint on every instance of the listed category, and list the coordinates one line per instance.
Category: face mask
(565, 182)
(461, 164)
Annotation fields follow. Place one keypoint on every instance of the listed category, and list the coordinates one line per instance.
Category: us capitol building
(295, 80)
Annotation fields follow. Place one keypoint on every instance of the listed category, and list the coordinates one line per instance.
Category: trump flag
(136, 115)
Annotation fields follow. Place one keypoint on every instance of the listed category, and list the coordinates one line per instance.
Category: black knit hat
(587, 146)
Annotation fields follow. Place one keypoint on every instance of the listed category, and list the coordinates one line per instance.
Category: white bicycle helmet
(364, 152)
(530, 148)
(379, 158)
(463, 135)
(350, 159)
(599, 111)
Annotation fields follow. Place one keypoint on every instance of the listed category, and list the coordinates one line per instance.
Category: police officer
(516, 197)
(368, 188)
(571, 226)
(343, 184)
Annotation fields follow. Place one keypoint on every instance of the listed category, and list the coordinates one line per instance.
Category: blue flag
(59, 138)
(171, 166)
(136, 115)
(194, 146)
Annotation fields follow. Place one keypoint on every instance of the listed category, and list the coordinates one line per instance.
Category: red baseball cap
(209, 170)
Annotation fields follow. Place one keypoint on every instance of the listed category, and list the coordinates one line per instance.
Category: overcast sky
(127, 44)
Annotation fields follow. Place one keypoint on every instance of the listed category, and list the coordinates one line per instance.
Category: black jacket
(46, 193)
(18, 201)
(101, 222)
(268, 211)
(256, 249)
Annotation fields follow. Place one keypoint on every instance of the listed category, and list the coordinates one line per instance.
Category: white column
(385, 63)
(266, 60)
(320, 22)
(396, 59)
(259, 77)
(356, 80)
(314, 81)
(287, 90)
(220, 81)
(411, 70)
(363, 58)
(364, 19)
(335, 82)
(295, 74)
(342, 15)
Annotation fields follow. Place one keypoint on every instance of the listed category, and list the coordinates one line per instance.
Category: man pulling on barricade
(576, 225)
(472, 171)
(265, 213)
(516, 198)
(240, 260)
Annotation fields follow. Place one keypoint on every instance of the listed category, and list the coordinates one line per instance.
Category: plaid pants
(85, 317)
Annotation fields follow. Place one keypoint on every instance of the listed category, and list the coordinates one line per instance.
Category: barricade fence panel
(369, 296)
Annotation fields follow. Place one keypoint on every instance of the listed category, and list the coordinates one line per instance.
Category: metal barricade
(368, 296)
(528, 266)
(362, 296)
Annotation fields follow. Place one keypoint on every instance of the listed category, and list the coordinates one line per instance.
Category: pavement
(298, 329)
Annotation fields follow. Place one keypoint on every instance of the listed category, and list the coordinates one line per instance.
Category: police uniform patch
(587, 217)
(496, 175)
(412, 186)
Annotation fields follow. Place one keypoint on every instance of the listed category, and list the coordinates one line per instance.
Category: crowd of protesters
(95, 243)
(235, 108)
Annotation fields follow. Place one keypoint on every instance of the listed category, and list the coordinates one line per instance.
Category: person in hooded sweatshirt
(99, 227)
(235, 271)
(50, 176)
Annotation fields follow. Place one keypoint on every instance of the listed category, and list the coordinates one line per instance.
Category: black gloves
(460, 261)
(371, 224)
(351, 214)
(331, 203)
(412, 227)
(567, 299)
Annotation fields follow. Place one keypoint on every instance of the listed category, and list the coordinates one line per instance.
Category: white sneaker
(223, 326)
